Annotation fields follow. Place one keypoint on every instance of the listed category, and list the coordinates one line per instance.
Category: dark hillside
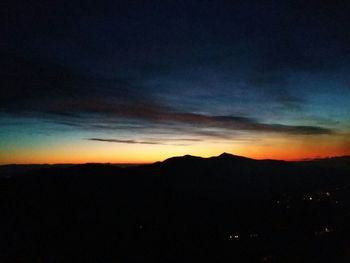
(183, 209)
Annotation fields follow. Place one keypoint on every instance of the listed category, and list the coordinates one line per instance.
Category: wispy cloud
(63, 95)
(123, 141)
(173, 142)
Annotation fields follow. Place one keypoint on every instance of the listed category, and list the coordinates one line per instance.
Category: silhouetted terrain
(220, 209)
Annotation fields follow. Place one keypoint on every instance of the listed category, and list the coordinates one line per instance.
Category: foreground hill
(224, 208)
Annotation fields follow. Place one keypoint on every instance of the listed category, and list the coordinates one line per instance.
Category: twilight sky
(140, 81)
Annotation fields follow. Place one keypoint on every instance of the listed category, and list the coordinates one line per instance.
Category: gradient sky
(140, 81)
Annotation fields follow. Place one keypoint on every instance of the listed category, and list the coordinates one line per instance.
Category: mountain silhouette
(183, 209)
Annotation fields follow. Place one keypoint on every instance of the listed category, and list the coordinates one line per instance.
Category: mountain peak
(225, 154)
(229, 155)
(186, 157)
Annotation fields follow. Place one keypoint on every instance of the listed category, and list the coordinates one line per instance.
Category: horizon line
(145, 163)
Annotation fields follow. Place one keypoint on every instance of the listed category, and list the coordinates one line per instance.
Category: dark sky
(178, 76)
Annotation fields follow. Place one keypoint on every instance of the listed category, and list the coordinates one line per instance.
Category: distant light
(236, 236)
(278, 202)
(310, 198)
(325, 230)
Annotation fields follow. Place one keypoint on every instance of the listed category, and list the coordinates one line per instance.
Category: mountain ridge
(223, 155)
(341, 161)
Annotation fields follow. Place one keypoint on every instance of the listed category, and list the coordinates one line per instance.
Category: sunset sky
(141, 81)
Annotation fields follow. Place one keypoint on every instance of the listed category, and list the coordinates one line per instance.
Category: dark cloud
(63, 95)
(123, 141)
(151, 142)
(243, 123)
(40, 87)
(195, 123)
(303, 130)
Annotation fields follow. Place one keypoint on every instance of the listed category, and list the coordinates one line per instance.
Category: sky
(141, 81)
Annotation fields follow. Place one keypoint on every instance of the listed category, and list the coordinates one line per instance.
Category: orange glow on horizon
(270, 147)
